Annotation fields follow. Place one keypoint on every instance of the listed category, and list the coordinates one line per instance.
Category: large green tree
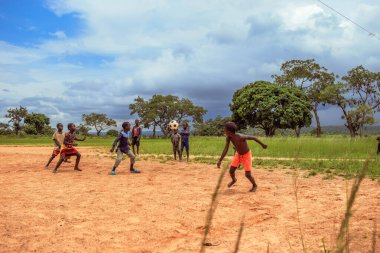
(312, 78)
(159, 110)
(16, 117)
(36, 123)
(270, 106)
(211, 127)
(99, 121)
(358, 96)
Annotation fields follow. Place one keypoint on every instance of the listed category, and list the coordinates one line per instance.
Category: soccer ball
(173, 125)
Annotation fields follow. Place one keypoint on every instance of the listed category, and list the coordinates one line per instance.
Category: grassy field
(334, 155)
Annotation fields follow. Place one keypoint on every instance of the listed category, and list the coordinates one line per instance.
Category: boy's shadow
(231, 192)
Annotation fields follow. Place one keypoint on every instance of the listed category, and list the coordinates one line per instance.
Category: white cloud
(59, 35)
(130, 48)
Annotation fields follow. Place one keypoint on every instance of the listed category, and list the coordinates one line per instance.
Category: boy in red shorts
(68, 147)
(58, 137)
(243, 154)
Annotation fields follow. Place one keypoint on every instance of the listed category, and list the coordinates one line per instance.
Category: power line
(353, 22)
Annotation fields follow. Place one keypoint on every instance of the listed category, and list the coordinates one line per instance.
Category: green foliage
(358, 97)
(5, 129)
(159, 110)
(16, 116)
(270, 107)
(36, 123)
(112, 132)
(82, 129)
(310, 77)
(211, 127)
(99, 121)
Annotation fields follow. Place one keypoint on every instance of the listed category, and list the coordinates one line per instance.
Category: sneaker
(113, 172)
(135, 171)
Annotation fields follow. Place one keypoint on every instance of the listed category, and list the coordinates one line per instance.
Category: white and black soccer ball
(173, 125)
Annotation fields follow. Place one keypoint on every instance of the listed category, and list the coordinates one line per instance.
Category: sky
(68, 58)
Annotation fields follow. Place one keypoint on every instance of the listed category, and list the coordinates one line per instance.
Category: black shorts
(135, 141)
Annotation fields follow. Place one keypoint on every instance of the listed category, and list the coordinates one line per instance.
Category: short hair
(231, 127)
(125, 124)
(59, 124)
(70, 125)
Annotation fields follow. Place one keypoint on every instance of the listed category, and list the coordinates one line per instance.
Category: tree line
(290, 101)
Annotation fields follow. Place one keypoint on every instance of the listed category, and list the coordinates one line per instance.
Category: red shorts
(69, 151)
(55, 152)
(245, 159)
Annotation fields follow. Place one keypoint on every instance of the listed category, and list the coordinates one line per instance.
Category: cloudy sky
(69, 57)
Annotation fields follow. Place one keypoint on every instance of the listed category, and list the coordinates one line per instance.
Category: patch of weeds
(329, 177)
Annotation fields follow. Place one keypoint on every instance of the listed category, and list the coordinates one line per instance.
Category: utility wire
(353, 22)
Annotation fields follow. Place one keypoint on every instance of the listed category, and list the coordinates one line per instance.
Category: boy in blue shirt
(123, 148)
(185, 140)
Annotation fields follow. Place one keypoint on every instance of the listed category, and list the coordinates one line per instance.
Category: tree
(358, 97)
(211, 127)
(159, 110)
(36, 123)
(112, 132)
(312, 78)
(269, 106)
(16, 116)
(99, 121)
(82, 129)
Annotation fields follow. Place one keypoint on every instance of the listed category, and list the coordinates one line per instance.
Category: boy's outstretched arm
(225, 150)
(77, 139)
(115, 143)
(250, 137)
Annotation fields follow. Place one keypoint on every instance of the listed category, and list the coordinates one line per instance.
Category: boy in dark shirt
(123, 148)
(185, 140)
(242, 155)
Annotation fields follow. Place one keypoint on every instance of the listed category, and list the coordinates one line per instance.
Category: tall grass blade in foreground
(213, 205)
(239, 235)
(341, 245)
(295, 185)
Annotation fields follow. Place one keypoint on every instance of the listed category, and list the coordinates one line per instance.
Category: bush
(112, 132)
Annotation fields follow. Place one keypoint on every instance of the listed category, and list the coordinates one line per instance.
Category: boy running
(136, 136)
(123, 148)
(176, 139)
(58, 137)
(185, 140)
(68, 147)
(242, 155)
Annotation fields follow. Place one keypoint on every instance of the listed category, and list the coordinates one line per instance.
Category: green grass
(341, 155)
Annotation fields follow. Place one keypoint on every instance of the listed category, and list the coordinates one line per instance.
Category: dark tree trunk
(351, 129)
(297, 131)
(269, 132)
(154, 130)
(318, 130)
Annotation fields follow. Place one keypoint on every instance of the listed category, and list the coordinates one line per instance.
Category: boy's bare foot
(46, 167)
(67, 161)
(77, 169)
(254, 188)
(54, 171)
(232, 183)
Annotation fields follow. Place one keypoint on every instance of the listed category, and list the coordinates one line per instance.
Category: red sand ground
(164, 208)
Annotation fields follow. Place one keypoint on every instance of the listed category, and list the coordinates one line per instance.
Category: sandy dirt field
(164, 208)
